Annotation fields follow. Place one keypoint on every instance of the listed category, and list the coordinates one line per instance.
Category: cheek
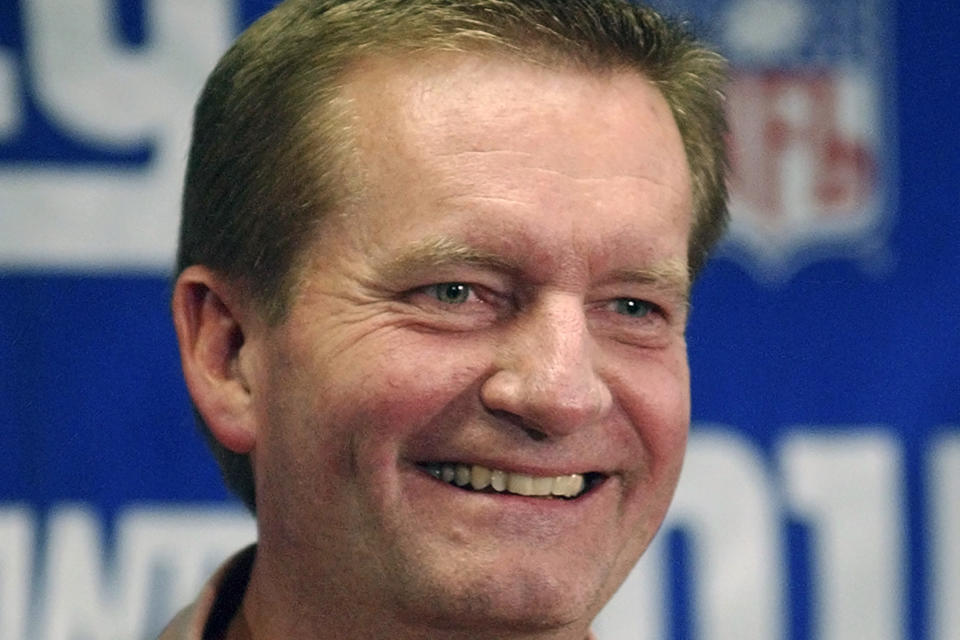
(410, 397)
(660, 419)
(666, 435)
(657, 401)
(415, 387)
(365, 403)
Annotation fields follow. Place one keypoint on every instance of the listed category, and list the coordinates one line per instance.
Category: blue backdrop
(820, 497)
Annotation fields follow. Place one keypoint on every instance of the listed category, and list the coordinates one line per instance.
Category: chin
(501, 597)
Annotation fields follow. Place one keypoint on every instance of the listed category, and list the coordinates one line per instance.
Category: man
(433, 283)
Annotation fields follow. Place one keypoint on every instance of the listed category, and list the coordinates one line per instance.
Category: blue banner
(820, 494)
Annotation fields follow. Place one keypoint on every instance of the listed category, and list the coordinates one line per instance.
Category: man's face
(507, 296)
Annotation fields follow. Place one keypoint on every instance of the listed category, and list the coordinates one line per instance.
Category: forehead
(502, 147)
(428, 100)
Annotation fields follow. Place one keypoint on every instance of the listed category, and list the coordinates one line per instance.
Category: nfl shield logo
(811, 137)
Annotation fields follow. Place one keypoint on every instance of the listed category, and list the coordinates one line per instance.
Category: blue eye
(632, 307)
(450, 292)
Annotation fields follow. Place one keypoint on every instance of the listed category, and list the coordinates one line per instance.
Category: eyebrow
(671, 277)
(433, 252)
(671, 274)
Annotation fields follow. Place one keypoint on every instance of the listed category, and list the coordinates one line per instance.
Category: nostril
(548, 405)
(535, 434)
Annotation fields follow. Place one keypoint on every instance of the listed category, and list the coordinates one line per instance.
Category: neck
(267, 613)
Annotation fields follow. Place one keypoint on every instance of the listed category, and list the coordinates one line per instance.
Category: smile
(479, 478)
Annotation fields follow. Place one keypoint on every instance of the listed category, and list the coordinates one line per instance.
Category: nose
(546, 373)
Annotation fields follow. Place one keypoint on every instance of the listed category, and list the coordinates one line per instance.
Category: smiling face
(503, 307)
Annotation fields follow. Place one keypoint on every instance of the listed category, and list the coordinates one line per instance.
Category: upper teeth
(479, 477)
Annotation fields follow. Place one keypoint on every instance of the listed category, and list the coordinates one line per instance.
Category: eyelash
(632, 308)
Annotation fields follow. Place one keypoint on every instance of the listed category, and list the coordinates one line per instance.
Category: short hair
(267, 160)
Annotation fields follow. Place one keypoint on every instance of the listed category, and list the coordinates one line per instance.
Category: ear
(212, 322)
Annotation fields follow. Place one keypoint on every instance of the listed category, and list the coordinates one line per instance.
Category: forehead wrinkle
(470, 154)
(484, 198)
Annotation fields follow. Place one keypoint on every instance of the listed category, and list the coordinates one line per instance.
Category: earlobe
(210, 325)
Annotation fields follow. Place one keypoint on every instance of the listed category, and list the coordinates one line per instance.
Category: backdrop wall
(821, 490)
